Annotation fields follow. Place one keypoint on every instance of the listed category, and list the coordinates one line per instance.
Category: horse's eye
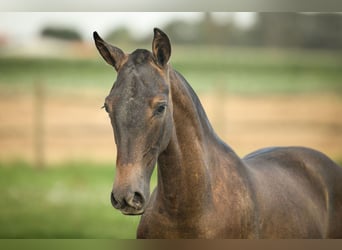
(105, 106)
(160, 109)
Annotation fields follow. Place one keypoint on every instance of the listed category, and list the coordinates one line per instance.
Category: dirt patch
(249, 123)
(76, 128)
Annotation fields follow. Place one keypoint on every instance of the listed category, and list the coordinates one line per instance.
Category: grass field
(254, 98)
(236, 70)
(65, 201)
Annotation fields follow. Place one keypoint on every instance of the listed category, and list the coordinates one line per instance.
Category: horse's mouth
(132, 208)
(128, 210)
(132, 211)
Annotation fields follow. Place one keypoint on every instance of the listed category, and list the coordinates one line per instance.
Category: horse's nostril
(138, 200)
(115, 203)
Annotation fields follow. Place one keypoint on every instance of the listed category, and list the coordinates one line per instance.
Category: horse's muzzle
(133, 204)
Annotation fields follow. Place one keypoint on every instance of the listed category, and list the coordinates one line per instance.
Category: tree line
(288, 30)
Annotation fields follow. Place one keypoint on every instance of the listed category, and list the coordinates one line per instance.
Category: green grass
(65, 201)
(233, 69)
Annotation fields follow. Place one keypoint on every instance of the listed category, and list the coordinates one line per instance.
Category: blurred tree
(183, 32)
(120, 35)
(322, 31)
(297, 30)
(289, 30)
(213, 32)
(62, 33)
(205, 31)
(276, 29)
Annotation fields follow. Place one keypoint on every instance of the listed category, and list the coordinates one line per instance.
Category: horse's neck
(185, 167)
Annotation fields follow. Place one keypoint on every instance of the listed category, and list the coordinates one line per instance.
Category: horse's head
(140, 109)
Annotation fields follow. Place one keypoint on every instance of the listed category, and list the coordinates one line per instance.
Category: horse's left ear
(112, 55)
(161, 48)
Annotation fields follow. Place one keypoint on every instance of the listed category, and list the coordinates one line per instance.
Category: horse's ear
(161, 47)
(112, 55)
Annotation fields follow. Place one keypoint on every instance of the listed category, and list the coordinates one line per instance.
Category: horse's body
(272, 193)
(204, 189)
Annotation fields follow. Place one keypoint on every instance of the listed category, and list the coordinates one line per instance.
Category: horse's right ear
(161, 48)
(112, 55)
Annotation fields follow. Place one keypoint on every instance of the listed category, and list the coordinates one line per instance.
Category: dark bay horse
(204, 189)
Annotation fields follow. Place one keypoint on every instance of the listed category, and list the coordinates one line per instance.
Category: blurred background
(265, 79)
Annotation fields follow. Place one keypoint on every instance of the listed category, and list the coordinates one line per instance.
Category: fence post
(39, 125)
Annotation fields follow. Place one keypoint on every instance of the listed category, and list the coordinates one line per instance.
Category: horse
(204, 189)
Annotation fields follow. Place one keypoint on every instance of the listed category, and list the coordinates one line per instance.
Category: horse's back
(294, 158)
(299, 189)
